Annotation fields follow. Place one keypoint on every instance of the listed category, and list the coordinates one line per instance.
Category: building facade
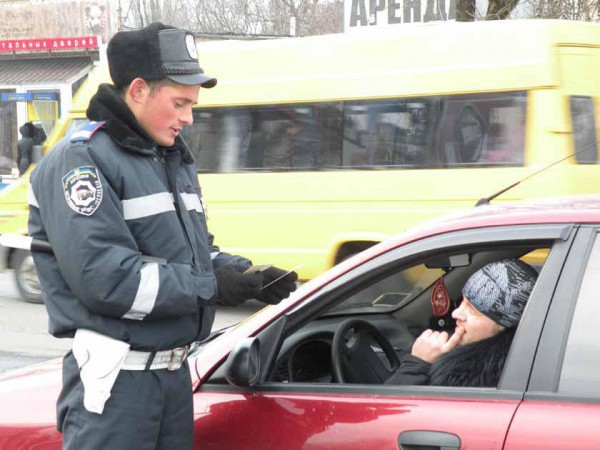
(46, 51)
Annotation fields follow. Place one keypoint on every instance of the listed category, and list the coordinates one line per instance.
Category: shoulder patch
(83, 190)
(86, 132)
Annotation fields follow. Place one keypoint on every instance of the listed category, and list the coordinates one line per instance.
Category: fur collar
(121, 125)
(478, 364)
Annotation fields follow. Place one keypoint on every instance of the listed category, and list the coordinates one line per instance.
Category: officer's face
(163, 112)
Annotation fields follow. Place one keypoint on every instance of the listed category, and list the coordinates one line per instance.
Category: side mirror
(243, 363)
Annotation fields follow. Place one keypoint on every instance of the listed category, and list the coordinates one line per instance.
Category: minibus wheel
(26, 277)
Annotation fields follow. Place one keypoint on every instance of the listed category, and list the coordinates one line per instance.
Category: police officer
(134, 276)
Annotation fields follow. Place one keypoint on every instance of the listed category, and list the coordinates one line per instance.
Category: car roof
(567, 209)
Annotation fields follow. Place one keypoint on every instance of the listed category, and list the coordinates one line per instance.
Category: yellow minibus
(312, 149)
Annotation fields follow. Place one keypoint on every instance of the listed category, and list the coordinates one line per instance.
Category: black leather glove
(280, 289)
(234, 288)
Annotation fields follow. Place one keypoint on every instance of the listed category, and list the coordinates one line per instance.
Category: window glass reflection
(429, 132)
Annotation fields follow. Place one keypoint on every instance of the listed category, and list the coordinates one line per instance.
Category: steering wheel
(353, 358)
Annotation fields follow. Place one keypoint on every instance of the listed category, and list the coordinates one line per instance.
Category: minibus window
(483, 130)
(390, 133)
(476, 130)
(469, 133)
(583, 121)
(267, 137)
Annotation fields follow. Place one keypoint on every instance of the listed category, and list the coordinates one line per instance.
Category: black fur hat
(28, 130)
(155, 52)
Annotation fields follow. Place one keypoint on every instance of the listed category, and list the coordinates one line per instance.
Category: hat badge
(190, 44)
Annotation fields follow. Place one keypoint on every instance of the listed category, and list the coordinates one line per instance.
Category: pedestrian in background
(40, 136)
(25, 146)
(135, 276)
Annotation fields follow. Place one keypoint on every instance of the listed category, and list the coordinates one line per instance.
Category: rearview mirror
(443, 262)
(243, 363)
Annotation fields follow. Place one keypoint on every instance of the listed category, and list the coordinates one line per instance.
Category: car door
(561, 409)
(346, 416)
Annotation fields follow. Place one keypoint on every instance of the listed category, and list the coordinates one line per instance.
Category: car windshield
(390, 293)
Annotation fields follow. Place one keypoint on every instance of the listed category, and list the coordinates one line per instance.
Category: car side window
(582, 354)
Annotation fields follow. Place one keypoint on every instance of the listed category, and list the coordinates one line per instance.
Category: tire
(26, 277)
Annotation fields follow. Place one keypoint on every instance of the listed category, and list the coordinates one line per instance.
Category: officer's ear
(138, 90)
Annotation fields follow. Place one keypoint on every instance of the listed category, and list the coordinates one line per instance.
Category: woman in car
(494, 298)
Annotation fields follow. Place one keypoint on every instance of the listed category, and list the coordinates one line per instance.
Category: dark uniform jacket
(478, 364)
(107, 198)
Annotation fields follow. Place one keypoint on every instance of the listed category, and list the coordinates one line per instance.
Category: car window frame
(545, 376)
(509, 387)
(516, 375)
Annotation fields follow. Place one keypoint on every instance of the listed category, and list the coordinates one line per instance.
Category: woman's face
(476, 325)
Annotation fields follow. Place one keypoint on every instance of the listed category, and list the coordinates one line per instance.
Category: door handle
(428, 440)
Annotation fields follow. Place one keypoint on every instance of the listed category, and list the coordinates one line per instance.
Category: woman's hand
(433, 344)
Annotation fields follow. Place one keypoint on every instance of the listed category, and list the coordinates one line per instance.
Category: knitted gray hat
(500, 290)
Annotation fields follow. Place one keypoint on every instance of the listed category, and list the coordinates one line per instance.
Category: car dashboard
(305, 356)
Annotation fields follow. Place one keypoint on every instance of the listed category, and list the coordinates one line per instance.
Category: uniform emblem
(83, 190)
(190, 44)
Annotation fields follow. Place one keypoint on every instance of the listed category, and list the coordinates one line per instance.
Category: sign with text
(369, 13)
(16, 97)
(30, 97)
(45, 44)
(27, 20)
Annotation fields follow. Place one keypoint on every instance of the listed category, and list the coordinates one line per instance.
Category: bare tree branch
(500, 9)
(465, 10)
(273, 17)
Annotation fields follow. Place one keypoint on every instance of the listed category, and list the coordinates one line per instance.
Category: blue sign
(17, 97)
(45, 96)
(30, 97)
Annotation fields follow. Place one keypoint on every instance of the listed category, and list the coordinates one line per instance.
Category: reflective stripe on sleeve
(145, 297)
(191, 201)
(31, 198)
(148, 205)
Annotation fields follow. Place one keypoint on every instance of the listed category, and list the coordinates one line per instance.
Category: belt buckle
(177, 357)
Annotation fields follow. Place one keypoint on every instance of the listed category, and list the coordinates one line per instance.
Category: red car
(292, 377)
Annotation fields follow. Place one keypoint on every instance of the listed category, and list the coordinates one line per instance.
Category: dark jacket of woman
(25, 147)
(478, 364)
